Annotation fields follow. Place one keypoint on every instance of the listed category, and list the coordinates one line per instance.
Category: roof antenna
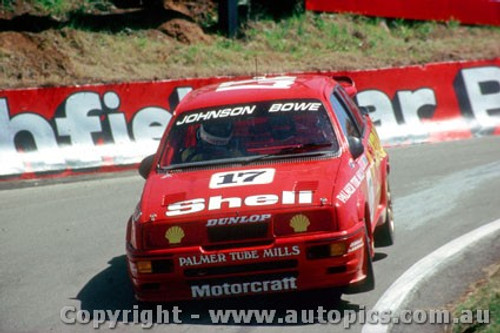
(256, 67)
(256, 76)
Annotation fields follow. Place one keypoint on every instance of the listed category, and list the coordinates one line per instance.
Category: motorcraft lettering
(220, 202)
(217, 258)
(303, 106)
(230, 289)
(216, 114)
(238, 220)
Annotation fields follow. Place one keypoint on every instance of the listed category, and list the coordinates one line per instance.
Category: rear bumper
(288, 264)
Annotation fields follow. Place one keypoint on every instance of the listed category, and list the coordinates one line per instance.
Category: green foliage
(407, 30)
(229, 44)
(424, 29)
(208, 20)
(453, 24)
(98, 5)
(7, 4)
(141, 42)
(485, 297)
(61, 7)
(56, 7)
(297, 41)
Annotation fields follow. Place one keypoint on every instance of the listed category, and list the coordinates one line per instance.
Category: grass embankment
(80, 52)
(56, 7)
(484, 295)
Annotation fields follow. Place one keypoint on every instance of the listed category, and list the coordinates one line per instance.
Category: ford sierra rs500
(261, 186)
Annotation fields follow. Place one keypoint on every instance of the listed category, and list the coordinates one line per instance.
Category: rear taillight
(144, 267)
(157, 266)
(134, 228)
(133, 234)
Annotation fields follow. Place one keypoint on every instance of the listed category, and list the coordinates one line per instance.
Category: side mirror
(355, 146)
(145, 166)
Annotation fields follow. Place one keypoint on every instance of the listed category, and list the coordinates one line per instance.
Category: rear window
(242, 133)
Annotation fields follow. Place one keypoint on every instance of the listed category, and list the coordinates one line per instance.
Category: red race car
(261, 186)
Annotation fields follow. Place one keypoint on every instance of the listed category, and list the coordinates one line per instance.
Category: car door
(353, 123)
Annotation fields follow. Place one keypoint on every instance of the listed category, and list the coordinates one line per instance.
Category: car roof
(303, 86)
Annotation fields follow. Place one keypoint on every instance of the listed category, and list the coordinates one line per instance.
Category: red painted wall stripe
(466, 11)
(61, 131)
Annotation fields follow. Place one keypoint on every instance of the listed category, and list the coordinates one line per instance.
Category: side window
(358, 118)
(349, 128)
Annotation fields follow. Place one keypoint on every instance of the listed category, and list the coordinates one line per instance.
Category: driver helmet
(216, 134)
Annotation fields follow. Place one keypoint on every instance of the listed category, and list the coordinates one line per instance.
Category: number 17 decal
(242, 178)
(280, 82)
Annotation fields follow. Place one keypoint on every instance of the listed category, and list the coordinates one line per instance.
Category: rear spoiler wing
(348, 84)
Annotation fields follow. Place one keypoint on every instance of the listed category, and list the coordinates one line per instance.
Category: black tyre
(384, 234)
(369, 282)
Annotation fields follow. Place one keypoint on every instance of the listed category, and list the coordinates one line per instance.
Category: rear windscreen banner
(59, 131)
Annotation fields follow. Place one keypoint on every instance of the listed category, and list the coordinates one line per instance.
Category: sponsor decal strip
(465, 11)
(277, 107)
(351, 186)
(56, 131)
(215, 114)
(238, 220)
(235, 256)
(356, 245)
(256, 287)
(217, 202)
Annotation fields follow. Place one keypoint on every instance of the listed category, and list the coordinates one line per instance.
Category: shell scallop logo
(299, 223)
(174, 235)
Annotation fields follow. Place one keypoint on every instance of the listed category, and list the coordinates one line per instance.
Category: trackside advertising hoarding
(465, 11)
(66, 130)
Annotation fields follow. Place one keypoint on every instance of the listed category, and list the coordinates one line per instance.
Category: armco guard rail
(465, 11)
(61, 131)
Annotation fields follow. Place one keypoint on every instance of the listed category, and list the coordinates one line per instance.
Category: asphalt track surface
(63, 244)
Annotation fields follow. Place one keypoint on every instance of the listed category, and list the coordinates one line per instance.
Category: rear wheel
(384, 234)
(369, 282)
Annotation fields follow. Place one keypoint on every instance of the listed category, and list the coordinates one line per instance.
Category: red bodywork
(307, 222)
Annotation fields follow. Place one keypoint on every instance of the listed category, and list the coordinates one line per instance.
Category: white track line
(398, 294)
